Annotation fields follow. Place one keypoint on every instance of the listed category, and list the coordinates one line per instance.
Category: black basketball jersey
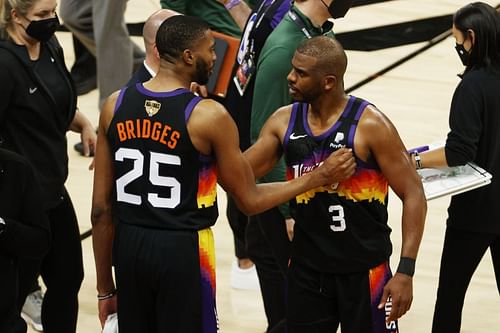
(343, 227)
(161, 180)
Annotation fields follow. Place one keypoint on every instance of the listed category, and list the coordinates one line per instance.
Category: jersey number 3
(338, 219)
(138, 170)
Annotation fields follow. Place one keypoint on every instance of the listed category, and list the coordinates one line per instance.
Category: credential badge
(152, 107)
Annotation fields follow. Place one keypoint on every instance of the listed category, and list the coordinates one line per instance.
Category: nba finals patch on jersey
(152, 107)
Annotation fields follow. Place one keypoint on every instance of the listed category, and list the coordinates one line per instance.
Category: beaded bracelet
(418, 160)
(231, 3)
(106, 296)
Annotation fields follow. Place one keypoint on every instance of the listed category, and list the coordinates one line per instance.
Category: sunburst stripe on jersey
(365, 184)
(206, 250)
(207, 183)
(378, 277)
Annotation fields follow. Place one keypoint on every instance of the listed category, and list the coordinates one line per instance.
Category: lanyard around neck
(299, 23)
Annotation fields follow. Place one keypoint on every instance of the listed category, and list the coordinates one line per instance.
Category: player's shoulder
(283, 112)
(374, 121)
(209, 113)
(208, 107)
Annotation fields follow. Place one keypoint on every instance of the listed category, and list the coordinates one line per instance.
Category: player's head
(187, 41)
(318, 67)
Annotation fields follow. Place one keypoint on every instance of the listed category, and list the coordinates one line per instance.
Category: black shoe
(79, 148)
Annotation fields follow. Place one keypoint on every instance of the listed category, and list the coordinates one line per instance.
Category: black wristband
(406, 266)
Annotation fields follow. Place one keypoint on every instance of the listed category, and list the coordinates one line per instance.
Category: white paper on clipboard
(451, 181)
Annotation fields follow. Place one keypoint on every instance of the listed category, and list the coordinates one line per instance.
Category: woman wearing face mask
(37, 108)
(473, 223)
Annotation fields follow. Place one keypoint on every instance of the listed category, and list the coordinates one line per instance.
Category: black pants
(462, 252)
(61, 271)
(318, 302)
(269, 248)
(163, 279)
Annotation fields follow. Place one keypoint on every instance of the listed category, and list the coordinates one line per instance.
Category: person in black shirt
(24, 233)
(473, 223)
(37, 108)
(161, 151)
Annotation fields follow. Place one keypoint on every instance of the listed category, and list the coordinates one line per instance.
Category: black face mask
(338, 8)
(462, 54)
(43, 30)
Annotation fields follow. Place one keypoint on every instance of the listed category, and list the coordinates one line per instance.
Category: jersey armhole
(291, 123)
(119, 100)
(190, 107)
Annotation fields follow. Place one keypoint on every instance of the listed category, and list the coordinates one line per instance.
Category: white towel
(111, 324)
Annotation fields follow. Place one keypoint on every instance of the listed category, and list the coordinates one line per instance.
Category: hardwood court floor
(416, 96)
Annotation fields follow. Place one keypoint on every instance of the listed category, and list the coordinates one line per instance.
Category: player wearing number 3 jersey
(339, 271)
(161, 150)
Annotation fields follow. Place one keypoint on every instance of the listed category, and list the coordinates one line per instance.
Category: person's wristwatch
(2, 225)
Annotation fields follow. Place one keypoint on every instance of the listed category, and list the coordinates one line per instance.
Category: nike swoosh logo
(32, 90)
(295, 137)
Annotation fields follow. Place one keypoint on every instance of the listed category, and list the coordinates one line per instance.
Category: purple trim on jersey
(190, 107)
(280, 13)
(119, 99)
(348, 107)
(350, 139)
(335, 126)
(143, 90)
(350, 143)
(361, 108)
(291, 124)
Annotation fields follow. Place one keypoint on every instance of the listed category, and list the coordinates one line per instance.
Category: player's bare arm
(379, 139)
(102, 225)
(267, 150)
(212, 130)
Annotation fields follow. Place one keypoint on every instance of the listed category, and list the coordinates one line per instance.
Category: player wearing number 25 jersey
(163, 184)
(149, 136)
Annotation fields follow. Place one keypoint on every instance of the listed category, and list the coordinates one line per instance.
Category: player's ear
(188, 56)
(329, 82)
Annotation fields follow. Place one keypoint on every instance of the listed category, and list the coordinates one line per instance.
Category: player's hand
(89, 140)
(400, 289)
(339, 166)
(198, 89)
(106, 307)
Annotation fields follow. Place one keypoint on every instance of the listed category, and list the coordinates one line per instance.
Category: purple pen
(419, 149)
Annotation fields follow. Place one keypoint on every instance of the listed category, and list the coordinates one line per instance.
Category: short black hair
(329, 54)
(178, 33)
(484, 20)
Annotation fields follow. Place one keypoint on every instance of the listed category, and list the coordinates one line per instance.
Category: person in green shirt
(225, 16)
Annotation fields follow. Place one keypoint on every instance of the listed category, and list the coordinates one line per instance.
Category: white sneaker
(32, 310)
(245, 279)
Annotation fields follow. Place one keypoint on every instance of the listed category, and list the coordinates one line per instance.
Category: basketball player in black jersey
(161, 151)
(339, 272)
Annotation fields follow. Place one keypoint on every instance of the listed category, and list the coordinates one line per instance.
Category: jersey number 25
(138, 170)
